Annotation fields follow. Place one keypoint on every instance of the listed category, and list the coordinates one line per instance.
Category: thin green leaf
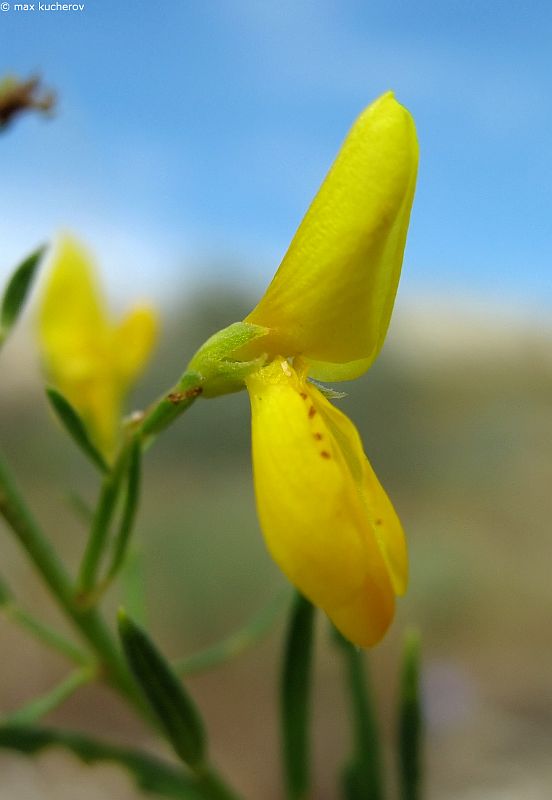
(42, 632)
(16, 292)
(5, 593)
(45, 634)
(235, 644)
(410, 720)
(40, 706)
(80, 506)
(76, 428)
(363, 776)
(132, 498)
(150, 774)
(87, 592)
(174, 708)
(132, 585)
(295, 698)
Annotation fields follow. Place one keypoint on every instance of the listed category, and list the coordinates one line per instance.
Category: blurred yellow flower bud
(92, 359)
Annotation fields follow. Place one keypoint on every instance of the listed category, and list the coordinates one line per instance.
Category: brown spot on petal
(318, 436)
(325, 454)
(312, 412)
(379, 521)
(303, 395)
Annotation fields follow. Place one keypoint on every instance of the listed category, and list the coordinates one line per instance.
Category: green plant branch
(40, 706)
(46, 561)
(238, 642)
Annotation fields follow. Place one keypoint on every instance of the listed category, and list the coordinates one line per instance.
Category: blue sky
(191, 136)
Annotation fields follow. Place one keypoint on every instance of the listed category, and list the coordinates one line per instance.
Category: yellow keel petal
(365, 620)
(310, 507)
(379, 510)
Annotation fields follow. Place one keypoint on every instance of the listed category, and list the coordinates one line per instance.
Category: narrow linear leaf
(363, 776)
(122, 536)
(44, 633)
(40, 706)
(150, 774)
(87, 592)
(132, 584)
(174, 708)
(76, 428)
(82, 509)
(237, 643)
(295, 698)
(17, 290)
(410, 720)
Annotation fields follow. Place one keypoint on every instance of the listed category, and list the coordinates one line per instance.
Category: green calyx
(217, 360)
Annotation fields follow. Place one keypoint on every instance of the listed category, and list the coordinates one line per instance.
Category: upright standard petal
(332, 297)
(75, 335)
(71, 319)
(318, 525)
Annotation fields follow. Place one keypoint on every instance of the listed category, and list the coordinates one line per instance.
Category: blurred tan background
(456, 419)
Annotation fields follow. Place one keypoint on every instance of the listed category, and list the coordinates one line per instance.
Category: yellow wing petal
(133, 341)
(379, 510)
(311, 511)
(332, 297)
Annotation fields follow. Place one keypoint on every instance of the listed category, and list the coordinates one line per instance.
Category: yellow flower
(327, 521)
(92, 359)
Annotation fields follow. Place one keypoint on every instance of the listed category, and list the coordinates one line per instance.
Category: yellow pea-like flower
(91, 358)
(327, 521)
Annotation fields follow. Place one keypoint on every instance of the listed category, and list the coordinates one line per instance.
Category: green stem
(45, 559)
(46, 703)
(235, 644)
(170, 406)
